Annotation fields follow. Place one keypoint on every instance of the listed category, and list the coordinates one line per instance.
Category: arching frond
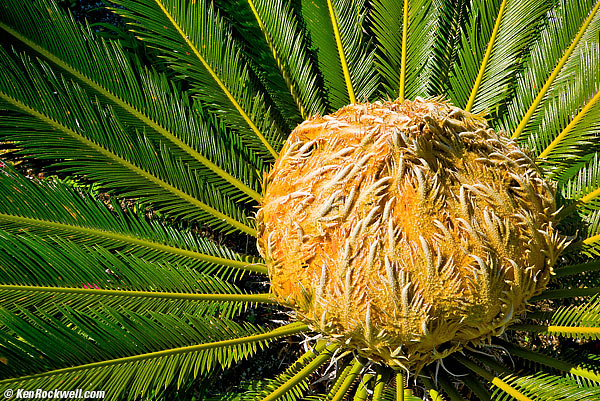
(54, 119)
(197, 43)
(76, 353)
(289, 49)
(52, 209)
(568, 27)
(545, 387)
(344, 53)
(490, 52)
(293, 383)
(144, 100)
(412, 45)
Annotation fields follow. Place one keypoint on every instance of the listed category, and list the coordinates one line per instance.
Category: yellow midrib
(286, 76)
(568, 129)
(251, 298)
(486, 57)
(507, 388)
(216, 78)
(404, 51)
(574, 330)
(563, 60)
(177, 192)
(129, 239)
(290, 329)
(135, 112)
(341, 53)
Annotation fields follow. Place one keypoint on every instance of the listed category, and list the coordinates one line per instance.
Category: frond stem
(399, 384)
(576, 269)
(355, 370)
(486, 57)
(550, 361)
(287, 330)
(380, 381)
(496, 381)
(252, 298)
(340, 47)
(554, 74)
(216, 78)
(302, 374)
(559, 330)
(566, 131)
(566, 293)
(130, 166)
(129, 239)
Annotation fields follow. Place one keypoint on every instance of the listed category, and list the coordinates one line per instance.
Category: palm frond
(571, 321)
(197, 44)
(38, 271)
(54, 119)
(545, 387)
(566, 31)
(53, 209)
(83, 350)
(501, 383)
(549, 361)
(489, 57)
(288, 47)
(345, 56)
(560, 124)
(293, 383)
(143, 99)
(409, 67)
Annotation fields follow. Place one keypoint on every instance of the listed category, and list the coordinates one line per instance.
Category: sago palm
(428, 232)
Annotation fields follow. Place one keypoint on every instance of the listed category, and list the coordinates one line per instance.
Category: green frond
(564, 124)
(289, 49)
(567, 28)
(543, 386)
(84, 350)
(59, 269)
(293, 383)
(490, 52)
(197, 44)
(572, 321)
(52, 209)
(142, 98)
(352, 377)
(409, 54)
(345, 56)
(565, 271)
(55, 119)
(552, 362)
(584, 186)
(502, 384)
(363, 388)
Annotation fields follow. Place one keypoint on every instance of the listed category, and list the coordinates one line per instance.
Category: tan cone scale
(406, 229)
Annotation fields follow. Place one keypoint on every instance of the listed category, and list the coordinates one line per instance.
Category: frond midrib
(130, 166)
(130, 239)
(551, 78)
(486, 57)
(341, 52)
(134, 112)
(216, 78)
(288, 330)
(251, 298)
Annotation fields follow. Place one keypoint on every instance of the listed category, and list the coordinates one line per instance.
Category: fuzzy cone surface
(406, 229)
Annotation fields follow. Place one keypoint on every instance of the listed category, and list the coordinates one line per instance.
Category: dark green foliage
(122, 272)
